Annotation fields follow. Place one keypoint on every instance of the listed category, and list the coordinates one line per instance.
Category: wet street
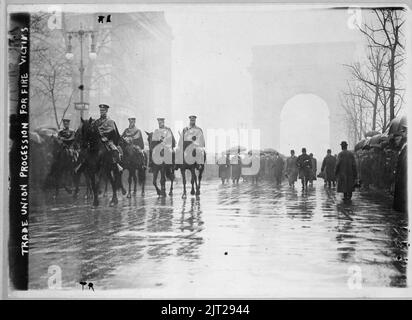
(233, 241)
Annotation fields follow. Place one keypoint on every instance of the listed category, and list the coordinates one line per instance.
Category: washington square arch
(281, 72)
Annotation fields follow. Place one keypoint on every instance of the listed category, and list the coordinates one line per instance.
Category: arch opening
(304, 122)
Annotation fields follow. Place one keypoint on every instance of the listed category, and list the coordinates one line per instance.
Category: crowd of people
(371, 168)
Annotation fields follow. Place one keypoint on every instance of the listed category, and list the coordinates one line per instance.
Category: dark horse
(62, 165)
(97, 161)
(134, 161)
(197, 163)
(166, 169)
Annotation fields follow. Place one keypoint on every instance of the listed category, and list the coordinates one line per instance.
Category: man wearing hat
(109, 134)
(194, 133)
(346, 172)
(133, 135)
(304, 163)
(164, 135)
(328, 168)
(66, 135)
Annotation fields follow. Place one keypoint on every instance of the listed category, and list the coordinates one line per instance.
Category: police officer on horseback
(165, 136)
(194, 133)
(133, 135)
(66, 135)
(109, 134)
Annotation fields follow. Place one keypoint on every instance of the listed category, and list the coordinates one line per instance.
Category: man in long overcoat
(292, 169)
(314, 168)
(278, 167)
(328, 168)
(304, 164)
(346, 171)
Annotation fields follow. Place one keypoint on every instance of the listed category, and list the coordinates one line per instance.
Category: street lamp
(80, 34)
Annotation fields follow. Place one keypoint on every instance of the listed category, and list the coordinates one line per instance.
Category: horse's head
(89, 133)
(149, 138)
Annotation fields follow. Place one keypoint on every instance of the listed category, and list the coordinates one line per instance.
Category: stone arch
(280, 72)
(314, 124)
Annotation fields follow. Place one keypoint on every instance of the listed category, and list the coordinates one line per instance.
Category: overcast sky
(212, 49)
(212, 53)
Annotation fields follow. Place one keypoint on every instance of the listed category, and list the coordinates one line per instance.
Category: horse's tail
(141, 175)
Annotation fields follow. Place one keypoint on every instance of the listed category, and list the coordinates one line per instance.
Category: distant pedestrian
(279, 165)
(328, 168)
(346, 172)
(314, 168)
(291, 168)
(224, 167)
(304, 164)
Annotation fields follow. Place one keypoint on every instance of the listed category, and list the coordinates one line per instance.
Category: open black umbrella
(378, 141)
(360, 144)
(371, 133)
(397, 124)
(236, 149)
(269, 150)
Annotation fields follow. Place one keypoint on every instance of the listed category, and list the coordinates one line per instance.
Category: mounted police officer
(109, 134)
(194, 133)
(133, 135)
(163, 135)
(66, 135)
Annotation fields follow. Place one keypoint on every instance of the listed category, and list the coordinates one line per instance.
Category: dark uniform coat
(224, 167)
(236, 164)
(66, 136)
(134, 136)
(292, 169)
(304, 164)
(328, 168)
(314, 168)
(345, 171)
(109, 133)
(279, 165)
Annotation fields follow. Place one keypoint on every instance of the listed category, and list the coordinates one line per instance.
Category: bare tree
(51, 75)
(386, 34)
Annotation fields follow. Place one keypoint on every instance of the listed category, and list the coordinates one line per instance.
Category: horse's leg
(106, 181)
(199, 180)
(134, 176)
(94, 186)
(119, 182)
(163, 181)
(193, 181)
(183, 173)
(142, 175)
(172, 179)
(114, 182)
(155, 174)
(76, 182)
(129, 180)
(56, 176)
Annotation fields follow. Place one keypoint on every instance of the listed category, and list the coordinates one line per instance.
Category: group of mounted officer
(110, 135)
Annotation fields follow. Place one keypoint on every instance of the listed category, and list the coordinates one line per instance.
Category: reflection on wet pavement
(238, 237)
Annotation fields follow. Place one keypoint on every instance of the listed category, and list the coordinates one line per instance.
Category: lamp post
(81, 34)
